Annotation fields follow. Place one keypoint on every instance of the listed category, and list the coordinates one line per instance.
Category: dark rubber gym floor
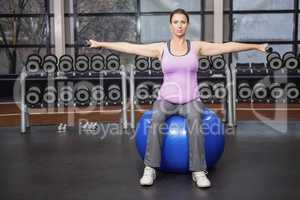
(259, 162)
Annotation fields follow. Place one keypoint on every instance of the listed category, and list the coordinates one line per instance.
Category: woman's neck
(178, 41)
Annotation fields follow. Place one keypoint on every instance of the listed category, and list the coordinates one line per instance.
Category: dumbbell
(66, 94)
(50, 63)
(97, 63)
(82, 63)
(65, 63)
(204, 63)
(217, 62)
(155, 90)
(88, 126)
(244, 90)
(114, 93)
(97, 93)
(219, 90)
(113, 62)
(141, 63)
(276, 91)
(33, 63)
(33, 96)
(274, 60)
(143, 91)
(62, 127)
(50, 94)
(260, 91)
(205, 90)
(155, 64)
(269, 49)
(292, 92)
(82, 94)
(290, 61)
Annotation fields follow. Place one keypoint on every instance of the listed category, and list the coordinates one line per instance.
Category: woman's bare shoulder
(197, 46)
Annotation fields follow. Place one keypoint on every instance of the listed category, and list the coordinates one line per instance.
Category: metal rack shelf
(106, 75)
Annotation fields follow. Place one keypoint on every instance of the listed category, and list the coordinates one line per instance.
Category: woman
(179, 92)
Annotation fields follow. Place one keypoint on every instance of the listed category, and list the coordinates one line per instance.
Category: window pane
(259, 27)
(21, 56)
(226, 27)
(69, 30)
(88, 6)
(263, 5)
(209, 5)
(32, 30)
(298, 27)
(118, 29)
(168, 5)
(156, 28)
(209, 28)
(255, 56)
(14, 6)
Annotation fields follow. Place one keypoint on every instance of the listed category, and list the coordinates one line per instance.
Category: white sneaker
(148, 177)
(201, 179)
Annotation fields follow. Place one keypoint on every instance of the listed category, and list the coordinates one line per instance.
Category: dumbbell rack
(25, 110)
(229, 108)
(280, 74)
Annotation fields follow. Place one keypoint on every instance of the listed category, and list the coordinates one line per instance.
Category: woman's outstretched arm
(148, 50)
(211, 49)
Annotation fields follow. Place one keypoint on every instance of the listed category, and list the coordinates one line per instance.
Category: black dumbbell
(291, 90)
(269, 49)
(50, 63)
(205, 90)
(33, 96)
(260, 91)
(141, 63)
(217, 62)
(82, 63)
(204, 63)
(219, 90)
(50, 94)
(290, 61)
(66, 94)
(155, 90)
(143, 91)
(274, 60)
(114, 93)
(97, 93)
(244, 91)
(66, 63)
(33, 63)
(113, 62)
(155, 64)
(97, 63)
(82, 94)
(276, 91)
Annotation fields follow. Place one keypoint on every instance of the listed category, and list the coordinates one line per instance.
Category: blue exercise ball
(175, 143)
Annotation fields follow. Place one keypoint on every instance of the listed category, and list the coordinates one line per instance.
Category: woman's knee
(158, 116)
(193, 116)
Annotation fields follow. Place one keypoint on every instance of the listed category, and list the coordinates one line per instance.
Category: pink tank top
(180, 76)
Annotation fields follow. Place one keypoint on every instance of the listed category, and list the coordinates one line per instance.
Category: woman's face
(179, 24)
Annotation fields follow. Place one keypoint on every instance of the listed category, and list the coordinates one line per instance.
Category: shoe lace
(148, 171)
(201, 173)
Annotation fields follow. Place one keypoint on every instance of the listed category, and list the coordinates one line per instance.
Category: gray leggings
(192, 110)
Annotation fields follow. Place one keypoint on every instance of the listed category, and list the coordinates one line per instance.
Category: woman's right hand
(93, 44)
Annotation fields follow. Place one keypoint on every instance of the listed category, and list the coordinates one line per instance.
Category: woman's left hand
(262, 47)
